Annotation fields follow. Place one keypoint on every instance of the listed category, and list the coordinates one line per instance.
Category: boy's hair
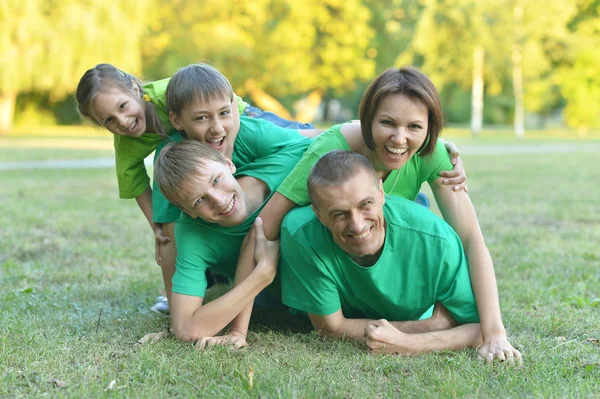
(196, 82)
(412, 83)
(104, 77)
(336, 168)
(178, 162)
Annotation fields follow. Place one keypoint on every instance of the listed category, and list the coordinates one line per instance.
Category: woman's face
(399, 130)
(121, 112)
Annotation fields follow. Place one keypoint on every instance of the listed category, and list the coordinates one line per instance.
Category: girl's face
(122, 113)
(399, 130)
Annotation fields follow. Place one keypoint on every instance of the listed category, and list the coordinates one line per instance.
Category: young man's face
(354, 214)
(214, 195)
(215, 122)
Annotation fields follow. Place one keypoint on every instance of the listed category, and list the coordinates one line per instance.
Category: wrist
(266, 270)
(494, 330)
(236, 331)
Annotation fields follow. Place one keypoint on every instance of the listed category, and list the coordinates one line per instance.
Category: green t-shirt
(130, 152)
(262, 150)
(422, 262)
(410, 178)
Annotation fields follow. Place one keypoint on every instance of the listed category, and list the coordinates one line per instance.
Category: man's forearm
(246, 265)
(464, 336)
(354, 329)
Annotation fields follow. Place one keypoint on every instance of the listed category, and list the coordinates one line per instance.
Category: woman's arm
(458, 211)
(273, 213)
(144, 201)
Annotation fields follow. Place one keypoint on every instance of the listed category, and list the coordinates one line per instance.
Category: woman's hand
(457, 176)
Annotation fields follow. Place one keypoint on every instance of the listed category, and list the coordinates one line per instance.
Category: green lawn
(78, 277)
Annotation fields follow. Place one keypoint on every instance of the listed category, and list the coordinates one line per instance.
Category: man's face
(215, 122)
(214, 195)
(354, 214)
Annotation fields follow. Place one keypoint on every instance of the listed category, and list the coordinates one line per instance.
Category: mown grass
(78, 278)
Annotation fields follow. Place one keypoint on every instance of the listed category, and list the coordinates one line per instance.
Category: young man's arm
(191, 319)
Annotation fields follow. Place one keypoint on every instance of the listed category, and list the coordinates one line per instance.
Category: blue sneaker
(423, 200)
(161, 306)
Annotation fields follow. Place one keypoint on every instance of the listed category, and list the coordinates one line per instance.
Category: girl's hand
(266, 253)
(160, 239)
(233, 339)
(456, 176)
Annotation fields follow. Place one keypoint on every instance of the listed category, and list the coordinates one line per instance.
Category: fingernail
(445, 181)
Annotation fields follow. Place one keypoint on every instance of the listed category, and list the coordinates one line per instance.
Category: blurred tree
(579, 74)
(280, 47)
(48, 44)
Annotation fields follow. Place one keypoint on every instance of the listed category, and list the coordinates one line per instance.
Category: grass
(78, 278)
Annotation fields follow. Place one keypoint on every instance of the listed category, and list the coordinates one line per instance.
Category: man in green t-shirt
(356, 256)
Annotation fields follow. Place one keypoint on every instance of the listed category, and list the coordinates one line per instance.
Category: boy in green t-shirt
(361, 256)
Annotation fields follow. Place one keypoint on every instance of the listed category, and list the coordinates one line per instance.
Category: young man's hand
(233, 339)
(382, 337)
(160, 239)
(498, 347)
(266, 253)
(457, 176)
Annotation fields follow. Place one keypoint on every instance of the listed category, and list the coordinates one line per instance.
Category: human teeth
(400, 151)
(363, 235)
(230, 206)
(133, 125)
(215, 140)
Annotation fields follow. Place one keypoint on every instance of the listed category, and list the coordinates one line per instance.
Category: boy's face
(215, 122)
(214, 195)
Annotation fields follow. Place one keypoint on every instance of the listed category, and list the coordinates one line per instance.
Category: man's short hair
(336, 168)
(178, 162)
(196, 82)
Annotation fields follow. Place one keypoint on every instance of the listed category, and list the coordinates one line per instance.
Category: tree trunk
(310, 106)
(477, 92)
(518, 74)
(265, 101)
(7, 111)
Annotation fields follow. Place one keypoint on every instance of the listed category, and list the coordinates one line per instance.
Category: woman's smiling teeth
(229, 207)
(396, 151)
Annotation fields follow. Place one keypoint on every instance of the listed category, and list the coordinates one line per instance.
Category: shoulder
(300, 219)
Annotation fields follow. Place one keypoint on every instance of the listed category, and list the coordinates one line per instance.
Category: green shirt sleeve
(305, 283)
(454, 285)
(193, 258)
(432, 164)
(294, 186)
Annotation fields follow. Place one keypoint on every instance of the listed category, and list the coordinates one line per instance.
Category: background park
(520, 87)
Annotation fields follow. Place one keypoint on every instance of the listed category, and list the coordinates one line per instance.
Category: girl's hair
(177, 162)
(104, 77)
(412, 83)
(196, 82)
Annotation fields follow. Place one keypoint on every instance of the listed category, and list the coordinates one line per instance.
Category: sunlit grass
(78, 279)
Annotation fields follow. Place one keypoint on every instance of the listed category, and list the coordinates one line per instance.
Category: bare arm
(310, 133)
(458, 211)
(144, 201)
(191, 319)
(273, 213)
(336, 325)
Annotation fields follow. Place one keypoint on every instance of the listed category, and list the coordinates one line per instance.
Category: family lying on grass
(358, 255)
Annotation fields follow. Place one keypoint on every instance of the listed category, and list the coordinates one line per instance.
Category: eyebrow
(204, 111)
(335, 210)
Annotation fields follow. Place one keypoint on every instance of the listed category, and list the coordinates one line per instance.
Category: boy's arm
(191, 319)
(458, 211)
(144, 201)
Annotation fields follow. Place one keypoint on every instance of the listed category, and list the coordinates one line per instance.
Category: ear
(135, 89)
(316, 211)
(175, 120)
(230, 164)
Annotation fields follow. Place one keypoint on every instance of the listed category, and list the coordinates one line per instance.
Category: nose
(122, 121)
(217, 126)
(399, 136)
(217, 198)
(357, 223)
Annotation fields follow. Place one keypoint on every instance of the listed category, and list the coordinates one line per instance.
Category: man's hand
(456, 176)
(498, 347)
(233, 339)
(266, 253)
(382, 337)
(160, 239)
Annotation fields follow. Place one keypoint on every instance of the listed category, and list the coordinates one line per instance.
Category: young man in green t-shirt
(357, 256)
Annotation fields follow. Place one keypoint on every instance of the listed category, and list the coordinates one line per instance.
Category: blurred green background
(522, 64)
